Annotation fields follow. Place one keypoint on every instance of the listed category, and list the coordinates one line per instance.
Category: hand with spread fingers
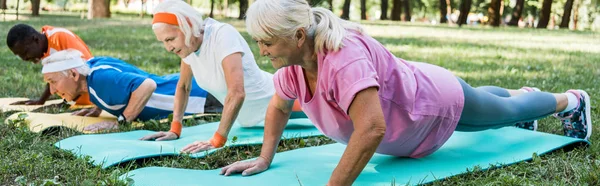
(29, 102)
(247, 168)
(160, 136)
(197, 146)
(90, 112)
(102, 126)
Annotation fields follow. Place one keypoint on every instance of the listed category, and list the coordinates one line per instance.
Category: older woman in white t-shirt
(220, 60)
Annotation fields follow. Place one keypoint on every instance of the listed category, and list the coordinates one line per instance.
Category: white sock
(573, 102)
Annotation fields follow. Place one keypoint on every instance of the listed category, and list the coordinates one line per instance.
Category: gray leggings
(491, 107)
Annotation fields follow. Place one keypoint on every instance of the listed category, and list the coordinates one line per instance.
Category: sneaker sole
(588, 118)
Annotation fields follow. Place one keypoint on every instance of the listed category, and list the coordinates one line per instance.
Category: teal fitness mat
(314, 165)
(111, 149)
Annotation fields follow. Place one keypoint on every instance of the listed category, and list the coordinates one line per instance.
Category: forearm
(46, 94)
(275, 122)
(138, 100)
(360, 149)
(182, 94)
(234, 101)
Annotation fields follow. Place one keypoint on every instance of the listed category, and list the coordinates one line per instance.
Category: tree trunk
(212, 8)
(576, 14)
(243, 8)
(494, 13)
(363, 9)
(98, 9)
(346, 10)
(396, 10)
(384, 9)
(443, 11)
(545, 14)
(517, 12)
(18, 2)
(566, 18)
(407, 12)
(3, 5)
(142, 9)
(330, 2)
(465, 7)
(35, 7)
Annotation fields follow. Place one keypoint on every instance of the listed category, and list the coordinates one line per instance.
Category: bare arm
(45, 95)
(278, 113)
(369, 129)
(138, 99)
(234, 77)
(182, 93)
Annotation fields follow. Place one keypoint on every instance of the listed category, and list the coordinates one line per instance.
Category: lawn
(553, 61)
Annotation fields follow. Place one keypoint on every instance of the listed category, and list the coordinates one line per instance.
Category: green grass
(550, 60)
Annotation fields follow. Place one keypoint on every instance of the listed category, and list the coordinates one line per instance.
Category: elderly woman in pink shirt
(357, 93)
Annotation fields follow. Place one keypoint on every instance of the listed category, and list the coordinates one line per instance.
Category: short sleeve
(115, 86)
(229, 41)
(285, 83)
(70, 41)
(349, 80)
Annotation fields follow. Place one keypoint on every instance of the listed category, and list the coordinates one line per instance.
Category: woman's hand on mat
(91, 112)
(247, 168)
(100, 126)
(29, 102)
(197, 146)
(160, 136)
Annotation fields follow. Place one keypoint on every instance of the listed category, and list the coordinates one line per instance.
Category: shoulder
(224, 30)
(58, 32)
(353, 50)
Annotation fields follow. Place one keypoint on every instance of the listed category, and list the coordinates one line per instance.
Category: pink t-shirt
(421, 103)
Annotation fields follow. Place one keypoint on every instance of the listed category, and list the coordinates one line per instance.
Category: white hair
(185, 14)
(266, 19)
(65, 55)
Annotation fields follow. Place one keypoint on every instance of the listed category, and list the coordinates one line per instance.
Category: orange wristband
(217, 140)
(176, 128)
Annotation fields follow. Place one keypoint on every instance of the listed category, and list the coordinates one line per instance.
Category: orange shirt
(62, 39)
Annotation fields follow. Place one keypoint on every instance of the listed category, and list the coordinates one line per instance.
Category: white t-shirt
(221, 40)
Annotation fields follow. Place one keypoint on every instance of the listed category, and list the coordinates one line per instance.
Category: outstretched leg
(485, 110)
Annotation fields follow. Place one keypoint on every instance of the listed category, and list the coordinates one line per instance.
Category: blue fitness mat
(314, 165)
(111, 149)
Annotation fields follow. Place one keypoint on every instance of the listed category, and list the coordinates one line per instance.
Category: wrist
(218, 140)
(121, 119)
(176, 128)
(268, 160)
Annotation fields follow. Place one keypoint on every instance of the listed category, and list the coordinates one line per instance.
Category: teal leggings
(492, 107)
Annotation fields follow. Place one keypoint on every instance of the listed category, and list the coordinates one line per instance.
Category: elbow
(185, 87)
(151, 85)
(237, 94)
(376, 131)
